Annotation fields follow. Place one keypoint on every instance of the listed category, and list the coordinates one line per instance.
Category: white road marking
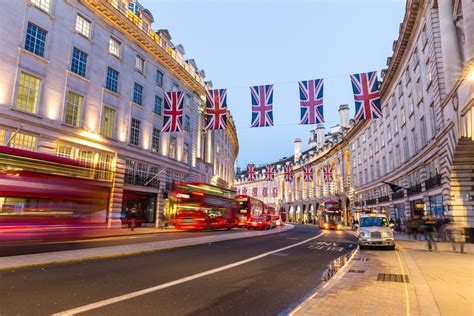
(128, 296)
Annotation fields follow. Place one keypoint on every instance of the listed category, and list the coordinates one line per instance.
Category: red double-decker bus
(203, 206)
(330, 216)
(249, 207)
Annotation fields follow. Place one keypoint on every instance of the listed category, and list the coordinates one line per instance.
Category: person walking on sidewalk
(428, 225)
(412, 228)
(456, 235)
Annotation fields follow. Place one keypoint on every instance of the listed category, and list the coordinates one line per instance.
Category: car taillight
(259, 222)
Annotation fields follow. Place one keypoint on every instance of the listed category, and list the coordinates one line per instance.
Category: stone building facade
(85, 80)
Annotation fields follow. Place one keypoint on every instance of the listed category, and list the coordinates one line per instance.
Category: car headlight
(389, 233)
(362, 234)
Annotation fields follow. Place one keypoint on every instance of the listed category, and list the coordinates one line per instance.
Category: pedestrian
(133, 218)
(428, 225)
(398, 225)
(412, 228)
(456, 235)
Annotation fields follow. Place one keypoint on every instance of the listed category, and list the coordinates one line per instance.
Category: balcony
(398, 195)
(371, 201)
(414, 189)
(384, 198)
(433, 182)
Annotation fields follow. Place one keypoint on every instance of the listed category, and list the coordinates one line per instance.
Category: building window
(104, 166)
(86, 155)
(24, 141)
(114, 47)
(35, 39)
(155, 140)
(187, 123)
(79, 62)
(157, 106)
(415, 141)
(172, 147)
(433, 119)
(28, 91)
(407, 75)
(108, 122)
(139, 64)
(406, 149)
(429, 75)
(159, 78)
(44, 5)
(111, 82)
(186, 153)
(174, 87)
(416, 58)
(83, 26)
(187, 100)
(423, 131)
(424, 37)
(137, 94)
(73, 109)
(135, 132)
(3, 134)
(65, 151)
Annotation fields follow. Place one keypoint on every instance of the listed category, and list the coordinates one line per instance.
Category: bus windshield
(373, 221)
(331, 218)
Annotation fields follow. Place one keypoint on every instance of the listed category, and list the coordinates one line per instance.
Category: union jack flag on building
(244, 191)
(311, 101)
(308, 173)
(288, 171)
(275, 192)
(327, 172)
(254, 192)
(251, 172)
(262, 105)
(366, 95)
(265, 192)
(173, 112)
(216, 109)
(270, 173)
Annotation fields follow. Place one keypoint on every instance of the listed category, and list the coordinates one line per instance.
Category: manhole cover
(389, 277)
(356, 271)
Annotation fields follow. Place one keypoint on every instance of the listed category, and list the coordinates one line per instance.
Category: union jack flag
(327, 172)
(265, 192)
(311, 101)
(251, 172)
(254, 192)
(366, 95)
(275, 192)
(262, 105)
(173, 112)
(308, 173)
(216, 109)
(270, 173)
(287, 169)
(244, 191)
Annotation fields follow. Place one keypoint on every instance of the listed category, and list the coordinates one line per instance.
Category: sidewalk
(409, 281)
(32, 260)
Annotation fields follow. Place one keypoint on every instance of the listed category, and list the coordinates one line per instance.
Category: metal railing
(433, 182)
(415, 189)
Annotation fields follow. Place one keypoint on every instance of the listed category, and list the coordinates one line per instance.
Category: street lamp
(470, 74)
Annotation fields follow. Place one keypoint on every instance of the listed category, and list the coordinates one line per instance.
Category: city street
(259, 287)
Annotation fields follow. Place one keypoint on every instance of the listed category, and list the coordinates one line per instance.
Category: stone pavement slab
(25, 261)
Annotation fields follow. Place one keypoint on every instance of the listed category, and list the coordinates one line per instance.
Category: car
(258, 222)
(374, 230)
(270, 220)
(278, 220)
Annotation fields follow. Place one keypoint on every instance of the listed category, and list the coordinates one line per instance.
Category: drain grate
(356, 271)
(389, 277)
(361, 259)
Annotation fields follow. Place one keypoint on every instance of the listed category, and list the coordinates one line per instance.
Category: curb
(89, 254)
(331, 277)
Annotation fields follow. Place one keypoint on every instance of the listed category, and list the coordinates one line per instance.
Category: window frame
(155, 140)
(133, 131)
(135, 96)
(33, 43)
(29, 89)
(80, 27)
(103, 127)
(140, 69)
(119, 45)
(79, 110)
(113, 81)
(81, 65)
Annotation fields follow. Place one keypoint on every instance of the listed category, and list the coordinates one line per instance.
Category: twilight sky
(240, 43)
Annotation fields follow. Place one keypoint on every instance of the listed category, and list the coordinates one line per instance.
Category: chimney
(297, 149)
(320, 131)
(344, 115)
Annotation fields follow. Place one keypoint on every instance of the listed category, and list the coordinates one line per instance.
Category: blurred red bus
(203, 206)
(44, 197)
(248, 207)
(330, 217)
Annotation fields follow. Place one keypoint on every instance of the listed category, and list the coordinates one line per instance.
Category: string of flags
(288, 174)
(365, 87)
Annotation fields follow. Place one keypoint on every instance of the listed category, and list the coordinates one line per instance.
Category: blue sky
(245, 43)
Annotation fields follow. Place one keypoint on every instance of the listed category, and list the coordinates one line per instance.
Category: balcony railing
(371, 201)
(384, 199)
(414, 189)
(123, 9)
(136, 179)
(398, 195)
(433, 182)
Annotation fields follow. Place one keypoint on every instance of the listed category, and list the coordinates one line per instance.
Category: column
(468, 21)
(449, 43)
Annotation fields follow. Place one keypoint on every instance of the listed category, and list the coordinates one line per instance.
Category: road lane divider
(124, 297)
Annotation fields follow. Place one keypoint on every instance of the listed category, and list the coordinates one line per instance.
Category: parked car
(374, 230)
(258, 222)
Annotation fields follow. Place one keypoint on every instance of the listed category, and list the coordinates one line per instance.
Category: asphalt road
(268, 285)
